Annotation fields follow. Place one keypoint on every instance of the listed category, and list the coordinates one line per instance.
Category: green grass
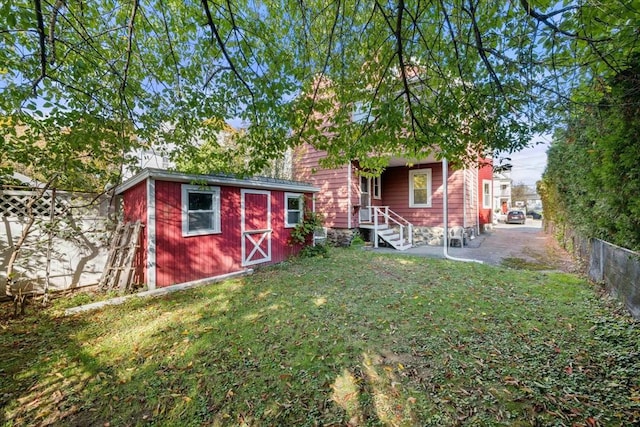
(353, 338)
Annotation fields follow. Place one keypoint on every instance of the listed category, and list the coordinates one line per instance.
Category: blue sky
(529, 164)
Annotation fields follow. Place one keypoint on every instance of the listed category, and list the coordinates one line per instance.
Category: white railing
(391, 219)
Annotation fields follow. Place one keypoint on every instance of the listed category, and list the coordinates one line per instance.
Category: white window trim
(412, 173)
(376, 188)
(288, 196)
(215, 192)
(486, 183)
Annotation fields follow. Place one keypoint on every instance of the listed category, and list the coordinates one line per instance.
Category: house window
(293, 212)
(377, 187)
(200, 210)
(486, 194)
(420, 188)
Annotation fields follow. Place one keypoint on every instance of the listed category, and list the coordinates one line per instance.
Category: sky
(529, 164)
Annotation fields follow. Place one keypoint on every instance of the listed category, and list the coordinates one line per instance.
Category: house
(502, 191)
(403, 206)
(199, 227)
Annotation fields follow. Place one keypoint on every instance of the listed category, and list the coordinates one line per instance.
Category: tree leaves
(601, 149)
(451, 77)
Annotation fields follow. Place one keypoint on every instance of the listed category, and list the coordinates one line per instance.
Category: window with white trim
(377, 187)
(420, 188)
(293, 213)
(200, 210)
(486, 194)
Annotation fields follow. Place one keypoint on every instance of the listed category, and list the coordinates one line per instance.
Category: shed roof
(216, 179)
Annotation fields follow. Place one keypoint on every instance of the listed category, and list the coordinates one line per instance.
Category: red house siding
(183, 259)
(332, 199)
(339, 192)
(395, 194)
(485, 173)
(135, 209)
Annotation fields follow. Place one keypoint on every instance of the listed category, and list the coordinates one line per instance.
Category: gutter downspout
(445, 215)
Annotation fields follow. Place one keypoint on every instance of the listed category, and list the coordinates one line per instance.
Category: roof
(216, 179)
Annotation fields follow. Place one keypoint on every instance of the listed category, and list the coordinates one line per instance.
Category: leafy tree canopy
(91, 81)
(592, 180)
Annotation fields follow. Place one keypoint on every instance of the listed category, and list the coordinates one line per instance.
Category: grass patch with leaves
(354, 338)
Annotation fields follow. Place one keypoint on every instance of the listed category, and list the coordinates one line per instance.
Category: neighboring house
(199, 227)
(404, 205)
(502, 191)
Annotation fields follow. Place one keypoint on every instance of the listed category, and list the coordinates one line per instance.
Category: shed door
(256, 226)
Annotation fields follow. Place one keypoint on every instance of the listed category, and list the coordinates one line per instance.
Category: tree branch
(42, 39)
(481, 49)
(170, 45)
(215, 36)
(52, 29)
(316, 88)
(132, 19)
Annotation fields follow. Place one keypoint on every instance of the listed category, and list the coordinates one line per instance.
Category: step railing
(384, 215)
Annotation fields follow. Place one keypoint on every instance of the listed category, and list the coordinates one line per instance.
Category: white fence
(77, 243)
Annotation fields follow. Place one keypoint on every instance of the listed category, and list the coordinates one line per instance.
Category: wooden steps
(392, 237)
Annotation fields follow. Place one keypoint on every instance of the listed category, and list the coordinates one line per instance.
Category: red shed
(199, 227)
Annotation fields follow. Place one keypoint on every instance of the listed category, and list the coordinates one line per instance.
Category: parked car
(515, 217)
(534, 214)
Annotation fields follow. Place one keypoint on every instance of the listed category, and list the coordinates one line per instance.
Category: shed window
(420, 188)
(293, 211)
(200, 210)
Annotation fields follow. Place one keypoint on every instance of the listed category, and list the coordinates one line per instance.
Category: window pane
(364, 185)
(200, 221)
(293, 203)
(200, 202)
(293, 217)
(420, 182)
(420, 196)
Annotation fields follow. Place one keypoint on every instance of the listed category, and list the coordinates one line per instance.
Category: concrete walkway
(526, 241)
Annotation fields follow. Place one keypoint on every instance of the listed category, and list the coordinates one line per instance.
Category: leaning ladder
(118, 271)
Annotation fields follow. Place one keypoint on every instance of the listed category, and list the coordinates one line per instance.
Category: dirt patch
(525, 247)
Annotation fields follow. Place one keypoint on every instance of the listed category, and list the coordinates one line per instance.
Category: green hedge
(592, 180)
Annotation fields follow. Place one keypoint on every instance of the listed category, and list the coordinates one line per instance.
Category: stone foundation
(434, 236)
(429, 236)
(340, 236)
(422, 236)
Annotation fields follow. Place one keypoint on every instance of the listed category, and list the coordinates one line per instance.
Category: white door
(255, 226)
(365, 199)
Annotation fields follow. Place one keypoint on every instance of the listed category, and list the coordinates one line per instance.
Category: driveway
(512, 245)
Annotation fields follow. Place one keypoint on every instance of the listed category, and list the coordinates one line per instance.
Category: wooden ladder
(118, 271)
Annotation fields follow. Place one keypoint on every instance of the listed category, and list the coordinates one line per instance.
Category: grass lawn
(355, 338)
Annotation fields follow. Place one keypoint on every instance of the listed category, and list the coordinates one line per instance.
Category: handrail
(387, 213)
